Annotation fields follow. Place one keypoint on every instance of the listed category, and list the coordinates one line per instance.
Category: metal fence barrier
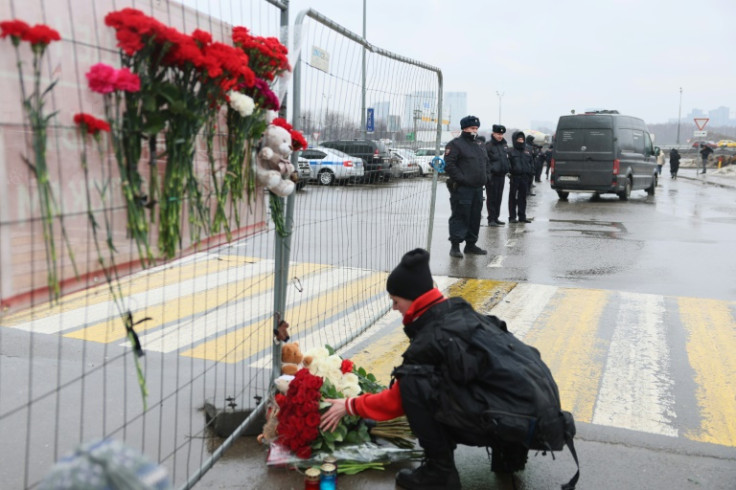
(70, 370)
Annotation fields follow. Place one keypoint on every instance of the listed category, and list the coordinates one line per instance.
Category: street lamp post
(679, 117)
(500, 96)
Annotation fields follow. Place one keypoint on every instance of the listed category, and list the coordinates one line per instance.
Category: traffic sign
(700, 134)
(700, 122)
(370, 125)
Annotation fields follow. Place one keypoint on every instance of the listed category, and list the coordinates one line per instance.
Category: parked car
(407, 161)
(424, 159)
(374, 154)
(726, 144)
(710, 144)
(328, 165)
(602, 153)
(304, 170)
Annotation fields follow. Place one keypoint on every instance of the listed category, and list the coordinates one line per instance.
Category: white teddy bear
(273, 168)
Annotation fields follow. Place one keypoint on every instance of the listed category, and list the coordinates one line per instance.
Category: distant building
(455, 108)
(422, 107)
(719, 116)
(382, 109)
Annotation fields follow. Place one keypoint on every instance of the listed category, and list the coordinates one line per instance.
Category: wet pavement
(609, 457)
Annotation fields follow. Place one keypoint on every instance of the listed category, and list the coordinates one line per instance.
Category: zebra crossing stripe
(46, 317)
(176, 300)
(566, 335)
(144, 289)
(636, 391)
(522, 306)
(256, 337)
(255, 306)
(711, 349)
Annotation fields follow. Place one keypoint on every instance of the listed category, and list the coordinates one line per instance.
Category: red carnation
(297, 140)
(127, 81)
(202, 37)
(101, 78)
(13, 28)
(346, 366)
(90, 123)
(40, 35)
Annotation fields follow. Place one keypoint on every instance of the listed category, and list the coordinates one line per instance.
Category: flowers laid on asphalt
(39, 37)
(298, 411)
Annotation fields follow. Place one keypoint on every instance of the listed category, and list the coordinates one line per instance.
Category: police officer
(499, 166)
(522, 170)
(466, 167)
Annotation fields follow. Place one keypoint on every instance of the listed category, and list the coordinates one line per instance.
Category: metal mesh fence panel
(82, 299)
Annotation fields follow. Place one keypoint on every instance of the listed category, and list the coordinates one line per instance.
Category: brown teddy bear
(291, 358)
(273, 169)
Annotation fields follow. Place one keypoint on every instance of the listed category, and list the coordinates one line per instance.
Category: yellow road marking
(137, 283)
(483, 294)
(711, 346)
(566, 337)
(244, 342)
(182, 307)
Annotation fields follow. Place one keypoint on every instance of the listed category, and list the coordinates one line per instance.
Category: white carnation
(317, 353)
(241, 103)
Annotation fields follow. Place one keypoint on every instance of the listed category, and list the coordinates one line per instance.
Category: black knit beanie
(411, 278)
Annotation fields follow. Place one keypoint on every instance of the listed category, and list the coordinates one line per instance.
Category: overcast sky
(548, 57)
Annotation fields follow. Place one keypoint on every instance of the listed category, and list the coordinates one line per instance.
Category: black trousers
(494, 196)
(419, 399)
(466, 204)
(517, 196)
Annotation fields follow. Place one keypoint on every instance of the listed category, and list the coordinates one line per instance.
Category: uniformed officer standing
(466, 166)
(522, 170)
(498, 168)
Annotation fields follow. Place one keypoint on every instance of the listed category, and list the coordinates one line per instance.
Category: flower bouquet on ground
(294, 413)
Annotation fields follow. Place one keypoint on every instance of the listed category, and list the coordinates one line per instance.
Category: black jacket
(705, 151)
(674, 157)
(521, 160)
(434, 338)
(466, 162)
(498, 157)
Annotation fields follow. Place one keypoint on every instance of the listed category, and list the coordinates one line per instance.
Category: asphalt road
(662, 258)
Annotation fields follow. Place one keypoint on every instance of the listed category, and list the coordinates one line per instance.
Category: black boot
(455, 251)
(436, 473)
(508, 458)
(472, 248)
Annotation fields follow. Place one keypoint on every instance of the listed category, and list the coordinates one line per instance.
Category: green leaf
(155, 123)
(149, 103)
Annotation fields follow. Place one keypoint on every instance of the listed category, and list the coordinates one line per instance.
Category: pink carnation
(102, 78)
(127, 81)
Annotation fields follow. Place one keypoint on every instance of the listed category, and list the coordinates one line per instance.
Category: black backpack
(514, 398)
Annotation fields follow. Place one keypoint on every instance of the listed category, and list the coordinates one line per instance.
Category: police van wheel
(562, 195)
(650, 189)
(624, 194)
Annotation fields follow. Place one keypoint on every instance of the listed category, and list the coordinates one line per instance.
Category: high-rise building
(455, 108)
(719, 116)
(422, 107)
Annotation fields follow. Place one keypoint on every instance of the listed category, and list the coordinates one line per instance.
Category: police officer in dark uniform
(522, 170)
(499, 166)
(466, 167)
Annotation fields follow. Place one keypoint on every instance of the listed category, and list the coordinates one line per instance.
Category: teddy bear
(274, 171)
(291, 358)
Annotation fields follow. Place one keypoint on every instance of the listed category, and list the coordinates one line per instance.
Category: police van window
(596, 140)
(626, 140)
(648, 149)
(638, 139)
